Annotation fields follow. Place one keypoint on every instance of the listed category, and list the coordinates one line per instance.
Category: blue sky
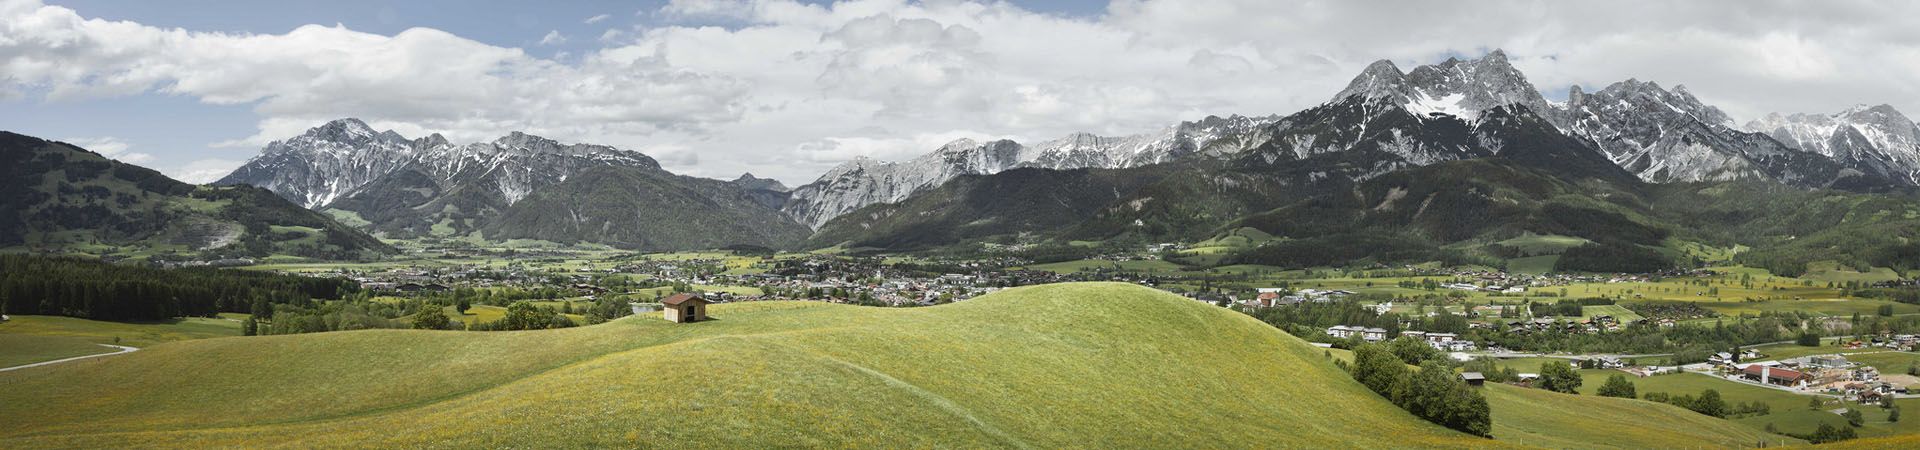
(790, 88)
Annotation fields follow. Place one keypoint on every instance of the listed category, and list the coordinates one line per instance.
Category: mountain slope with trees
(58, 197)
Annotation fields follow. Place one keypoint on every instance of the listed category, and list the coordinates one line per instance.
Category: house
(1474, 378)
(1346, 331)
(685, 307)
(1774, 375)
(1458, 346)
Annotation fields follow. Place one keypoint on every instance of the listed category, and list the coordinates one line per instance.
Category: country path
(122, 348)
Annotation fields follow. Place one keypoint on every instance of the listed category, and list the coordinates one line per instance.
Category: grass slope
(1542, 418)
(123, 333)
(1077, 365)
(18, 349)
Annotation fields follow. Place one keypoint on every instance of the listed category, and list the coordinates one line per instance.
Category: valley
(1442, 256)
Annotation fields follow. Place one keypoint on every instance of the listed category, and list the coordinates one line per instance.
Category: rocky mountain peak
(1455, 87)
(1648, 97)
(1382, 79)
(431, 141)
(522, 140)
(961, 144)
(749, 182)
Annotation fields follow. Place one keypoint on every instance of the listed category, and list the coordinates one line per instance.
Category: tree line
(101, 291)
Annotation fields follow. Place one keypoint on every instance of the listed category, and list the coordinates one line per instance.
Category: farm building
(683, 308)
(1474, 378)
(1775, 375)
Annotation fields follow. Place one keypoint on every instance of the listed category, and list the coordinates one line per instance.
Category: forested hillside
(58, 197)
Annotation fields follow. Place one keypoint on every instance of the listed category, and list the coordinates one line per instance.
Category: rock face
(864, 181)
(327, 162)
(1456, 87)
(1388, 119)
(424, 187)
(1873, 139)
(1385, 120)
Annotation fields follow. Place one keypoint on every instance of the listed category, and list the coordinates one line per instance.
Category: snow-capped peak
(1877, 139)
(1455, 87)
(332, 160)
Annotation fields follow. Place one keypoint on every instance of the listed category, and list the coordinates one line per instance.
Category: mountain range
(1184, 181)
(428, 187)
(1656, 134)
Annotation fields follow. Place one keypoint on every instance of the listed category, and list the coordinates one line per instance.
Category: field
(1831, 271)
(1618, 312)
(1543, 243)
(1097, 264)
(1540, 418)
(477, 314)
(128, 334)
(18, 349)
(1785, 351)
(1694, 384)
(1533, 264)
(1889, 363)
(773, 374)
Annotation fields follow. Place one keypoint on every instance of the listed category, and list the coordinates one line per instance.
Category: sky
(788, 89)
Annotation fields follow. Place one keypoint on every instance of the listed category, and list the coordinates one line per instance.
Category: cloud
(111, 147)
(597, 19)
(553, 37)
(424, 77)
(202, 171)
(788, 88)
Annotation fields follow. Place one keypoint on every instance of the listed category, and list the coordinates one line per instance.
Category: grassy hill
(56, 197)
(1548, 419)
(1079, 365)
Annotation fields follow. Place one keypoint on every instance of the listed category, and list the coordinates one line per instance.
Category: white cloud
(202, 171)
(787, 89)
(111, 147)
(553, 37)
(597, 19)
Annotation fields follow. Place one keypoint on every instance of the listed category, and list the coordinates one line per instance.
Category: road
(122, 348)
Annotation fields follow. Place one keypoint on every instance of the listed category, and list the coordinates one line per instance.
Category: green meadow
(1079, 365)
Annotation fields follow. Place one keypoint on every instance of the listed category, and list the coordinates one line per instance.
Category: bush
(1808, 339)
(1618, 386)
(1437, 395)
(1558, 377)
(1710, 404)
(430, 318)
(1378, 369)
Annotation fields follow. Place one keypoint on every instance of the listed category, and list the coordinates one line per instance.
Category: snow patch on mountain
(864, 181)
(332, 161)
